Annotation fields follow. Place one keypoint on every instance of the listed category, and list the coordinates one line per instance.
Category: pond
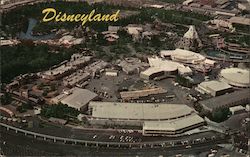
(214, 53)
(226, 54)
(28, 34)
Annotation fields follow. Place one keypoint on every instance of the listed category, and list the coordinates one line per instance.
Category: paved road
(18, 144)
(104, 136)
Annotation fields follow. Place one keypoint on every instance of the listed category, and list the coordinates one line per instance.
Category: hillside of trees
(27, 58)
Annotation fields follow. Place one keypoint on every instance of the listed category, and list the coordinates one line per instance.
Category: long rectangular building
(239, 97)
(130, 95)
(154, 119)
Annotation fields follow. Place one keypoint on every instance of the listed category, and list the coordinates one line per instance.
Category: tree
(24, 107)
(155, 41)
(183, 81)
(45, 93)
(59, 111)
(6, 99)
(27, 106)
(20, 109)
(221, 114)
(53, 87)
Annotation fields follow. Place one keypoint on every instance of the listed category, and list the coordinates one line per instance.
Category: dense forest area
(27, 58)
(21, 15)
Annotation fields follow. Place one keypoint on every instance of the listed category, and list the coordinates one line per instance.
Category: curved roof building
(159, 67)
(183, 56)
(236, 77)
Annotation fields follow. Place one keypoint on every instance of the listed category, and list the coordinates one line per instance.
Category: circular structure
(236, 77)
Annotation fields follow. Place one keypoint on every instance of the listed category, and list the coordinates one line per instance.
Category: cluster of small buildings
(73, 75)
(220, 24)
(76, 78)
(111, 34)
(140, 32)
(228, 24)
(14, 88)
(216, 7)
(137, 32)
(132, 65)
(96, 67)
(67, 67)
(70, 40)
(229, 90)
(65, 41)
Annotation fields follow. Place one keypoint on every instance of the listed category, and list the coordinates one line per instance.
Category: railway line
(89, 143)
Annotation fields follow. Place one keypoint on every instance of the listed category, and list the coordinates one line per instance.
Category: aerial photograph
(125, 78)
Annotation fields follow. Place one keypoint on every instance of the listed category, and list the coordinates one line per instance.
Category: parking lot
(107, 86)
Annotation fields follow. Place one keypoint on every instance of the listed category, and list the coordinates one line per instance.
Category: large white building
(183, 56)
(155, 119)
(236, 77)
(160, 67)
(192, 59)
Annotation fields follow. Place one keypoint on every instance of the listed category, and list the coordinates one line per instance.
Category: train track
(140, 145)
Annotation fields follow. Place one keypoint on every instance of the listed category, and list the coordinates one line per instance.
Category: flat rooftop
(215, 85)
(138, 111)
(78, 97)
(240, 20)
(75, 78)
(173, 125)
(141, 93)
(226, 100)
